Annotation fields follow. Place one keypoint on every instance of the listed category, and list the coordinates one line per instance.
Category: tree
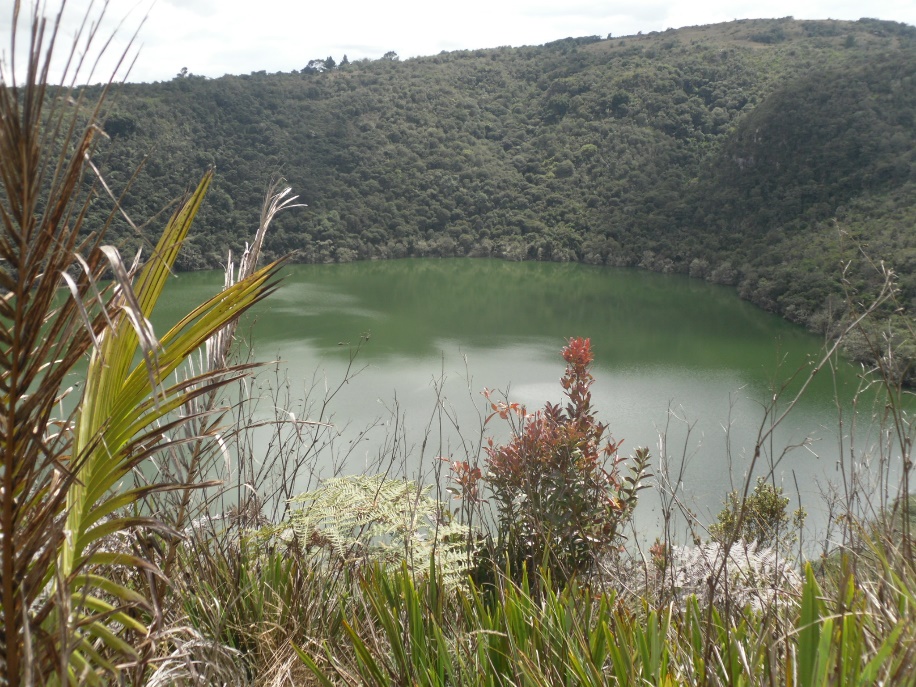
(329, 63)
(391, 55)
(314, 67)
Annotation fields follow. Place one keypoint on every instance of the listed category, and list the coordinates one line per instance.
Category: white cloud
(201, 8)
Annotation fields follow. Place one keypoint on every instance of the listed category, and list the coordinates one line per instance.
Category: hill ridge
(732, 152)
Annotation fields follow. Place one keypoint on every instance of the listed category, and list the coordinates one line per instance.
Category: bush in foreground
(560, 494)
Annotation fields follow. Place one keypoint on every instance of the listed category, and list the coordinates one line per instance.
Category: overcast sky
(216, 37)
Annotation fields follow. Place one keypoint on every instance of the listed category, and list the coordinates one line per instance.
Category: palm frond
(46, 133)
(63, 479)
(128, 414)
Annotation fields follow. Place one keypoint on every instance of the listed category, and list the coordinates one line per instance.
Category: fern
(755, 576)
(366, 519)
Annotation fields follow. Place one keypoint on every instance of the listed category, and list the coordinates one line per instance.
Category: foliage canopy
(757, 153)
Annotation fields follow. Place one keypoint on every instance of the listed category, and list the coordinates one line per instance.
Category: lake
(671, 353)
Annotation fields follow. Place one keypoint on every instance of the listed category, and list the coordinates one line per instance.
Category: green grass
(414, 634)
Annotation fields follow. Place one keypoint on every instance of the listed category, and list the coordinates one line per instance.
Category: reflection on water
(671, 353)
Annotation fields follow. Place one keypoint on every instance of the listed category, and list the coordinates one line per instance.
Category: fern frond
(365, 519)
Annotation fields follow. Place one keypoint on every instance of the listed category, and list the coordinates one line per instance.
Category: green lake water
(671, 353)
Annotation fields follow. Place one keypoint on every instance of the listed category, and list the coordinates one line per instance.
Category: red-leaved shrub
(557, 484)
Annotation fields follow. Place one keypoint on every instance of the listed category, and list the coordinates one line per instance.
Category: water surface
(671, 354)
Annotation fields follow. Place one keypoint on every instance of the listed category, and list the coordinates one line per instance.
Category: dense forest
(763, 154)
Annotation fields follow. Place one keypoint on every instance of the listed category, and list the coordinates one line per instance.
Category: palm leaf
(64, 617)
(127, 413)
(44, 140)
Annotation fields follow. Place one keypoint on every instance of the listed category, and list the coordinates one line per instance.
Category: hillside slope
(758, 153)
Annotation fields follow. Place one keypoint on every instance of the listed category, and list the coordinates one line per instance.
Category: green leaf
(872, 669)
(312, 666)
(809, 630)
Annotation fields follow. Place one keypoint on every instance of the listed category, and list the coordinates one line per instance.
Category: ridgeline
(771, 155)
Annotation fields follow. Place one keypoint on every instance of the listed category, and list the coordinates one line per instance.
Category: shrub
(69, 609)
(761, 519)
(557, 483)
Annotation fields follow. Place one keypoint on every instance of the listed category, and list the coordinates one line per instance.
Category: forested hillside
(757, 153)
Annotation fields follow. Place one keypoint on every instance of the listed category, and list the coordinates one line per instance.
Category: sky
(216, 37)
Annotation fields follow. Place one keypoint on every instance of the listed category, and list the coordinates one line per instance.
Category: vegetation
(758, 153)
(560, 498)
(143, 542)
(763, 516)
(66, 493)
(363, 520)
